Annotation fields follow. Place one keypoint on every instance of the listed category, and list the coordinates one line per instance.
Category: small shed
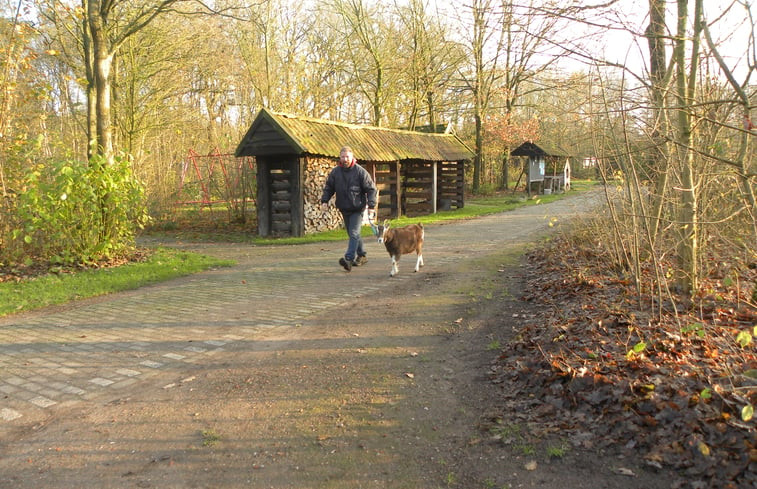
(548, 168)
(415, 173)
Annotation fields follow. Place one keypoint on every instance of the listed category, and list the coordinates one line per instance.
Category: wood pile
(316, 171)
(281, 202)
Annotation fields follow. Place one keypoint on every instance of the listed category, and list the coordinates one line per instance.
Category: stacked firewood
(316, 171)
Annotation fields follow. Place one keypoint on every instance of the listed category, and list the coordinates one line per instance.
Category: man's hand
(324, 207)
(371, 214)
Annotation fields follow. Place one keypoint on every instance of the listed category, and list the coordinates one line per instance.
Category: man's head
(346, 158)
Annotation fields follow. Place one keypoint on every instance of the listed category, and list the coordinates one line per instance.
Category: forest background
(102, 101)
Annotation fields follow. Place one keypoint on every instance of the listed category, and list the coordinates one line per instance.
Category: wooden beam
(397, 198)
(435, 190)
(298, 196)
(264, 197)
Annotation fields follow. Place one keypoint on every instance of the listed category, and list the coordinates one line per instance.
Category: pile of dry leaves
(38, 268)
(601, 366)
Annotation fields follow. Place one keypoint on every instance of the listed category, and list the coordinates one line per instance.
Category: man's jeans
(353, 222)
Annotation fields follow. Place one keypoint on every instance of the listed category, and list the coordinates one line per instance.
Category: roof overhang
(276, 133)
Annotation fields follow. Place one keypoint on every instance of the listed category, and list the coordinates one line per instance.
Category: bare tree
(369, 40)
(485, 49)
(528, 30)
(743, 161)
(510, 45)
(326, 83)
(109, 24)
(659, 79)
(273, 43)
(431, 60)
(691, 93)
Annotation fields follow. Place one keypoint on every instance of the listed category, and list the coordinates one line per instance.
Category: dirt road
(284, 371)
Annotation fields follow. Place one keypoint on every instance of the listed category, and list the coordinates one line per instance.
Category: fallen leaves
(678, 386)
(34, 267)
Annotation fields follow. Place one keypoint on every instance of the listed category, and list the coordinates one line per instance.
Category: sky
(617, 31)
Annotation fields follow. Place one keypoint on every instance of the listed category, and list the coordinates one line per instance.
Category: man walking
(355, 190)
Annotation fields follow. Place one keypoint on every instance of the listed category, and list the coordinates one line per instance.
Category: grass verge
(165, 264)
(477, 206)
(52, 289)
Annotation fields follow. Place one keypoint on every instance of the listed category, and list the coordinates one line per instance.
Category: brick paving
(98, 348)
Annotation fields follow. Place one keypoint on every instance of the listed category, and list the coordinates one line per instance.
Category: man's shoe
(347, 265)
(360, 260)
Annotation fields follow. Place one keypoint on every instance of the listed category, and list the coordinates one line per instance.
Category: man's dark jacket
(353, 186)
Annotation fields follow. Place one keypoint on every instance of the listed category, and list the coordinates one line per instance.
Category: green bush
(77, 213)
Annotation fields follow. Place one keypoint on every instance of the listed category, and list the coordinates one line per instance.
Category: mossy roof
(273, 133)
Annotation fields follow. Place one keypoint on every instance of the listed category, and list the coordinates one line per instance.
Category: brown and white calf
(401, 241)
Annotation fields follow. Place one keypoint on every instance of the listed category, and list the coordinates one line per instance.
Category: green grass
(52, 289)
(557, 451)
(476, 206)
(165, 264)
(210, 438)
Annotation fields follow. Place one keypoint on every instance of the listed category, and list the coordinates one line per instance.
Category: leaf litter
(612, 369)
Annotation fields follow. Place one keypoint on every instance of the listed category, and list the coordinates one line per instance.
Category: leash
(374, 227)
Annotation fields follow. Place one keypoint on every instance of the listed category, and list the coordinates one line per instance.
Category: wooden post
(528, 177)
(297, 173)
(264, 197)
(461, 183)
(398, 177)
(434, 189)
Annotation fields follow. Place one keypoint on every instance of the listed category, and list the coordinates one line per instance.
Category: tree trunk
(431, 108)
(477, 164)
(506, 167)
(658, 75)
(90, 75)
(102, 62)
(379, 93)
(479, 39)
(688, 246)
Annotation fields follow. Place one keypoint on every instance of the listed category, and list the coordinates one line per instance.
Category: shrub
(76, 213)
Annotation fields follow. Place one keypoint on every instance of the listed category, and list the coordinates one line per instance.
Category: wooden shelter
(548, 168)
(416, 173)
